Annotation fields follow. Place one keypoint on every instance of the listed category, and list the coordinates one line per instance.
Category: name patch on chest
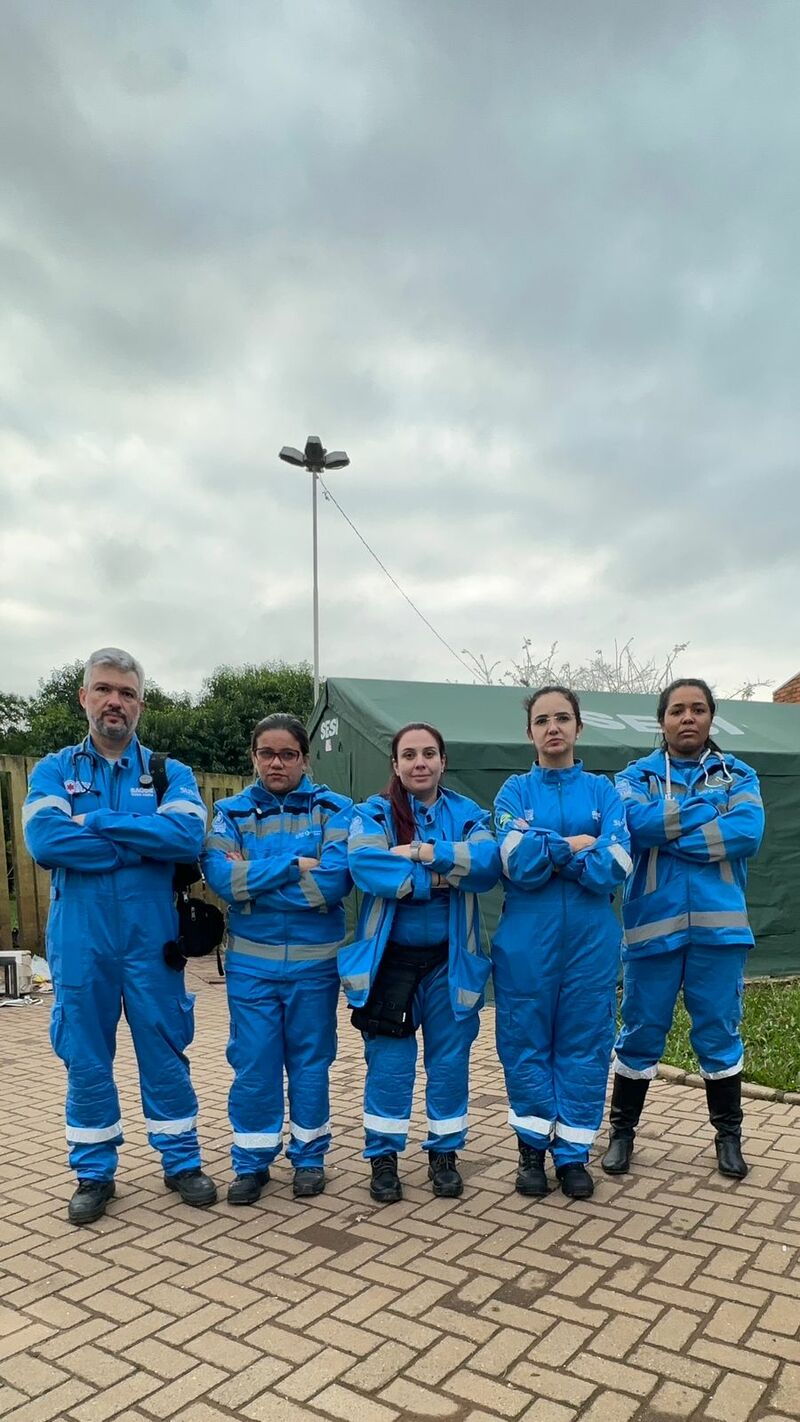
(142, 790)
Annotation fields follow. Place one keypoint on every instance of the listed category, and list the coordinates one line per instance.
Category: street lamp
(315, 458)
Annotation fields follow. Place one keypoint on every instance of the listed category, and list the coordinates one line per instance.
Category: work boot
(725, 1114)
(385, 1184)
(246, 1189)
(531, 1178)
(89, 1201)
(576, 1182)
(194, 1188)
(308, 1180)
(443, 1173)
(627, 1100)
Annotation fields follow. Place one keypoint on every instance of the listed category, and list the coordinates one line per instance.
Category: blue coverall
(401, 906)
(556, 954)
(284, 930)
(111, 912)
(693, 826)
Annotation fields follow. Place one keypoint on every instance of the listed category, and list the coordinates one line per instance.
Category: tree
(622, 672)
(14, 723)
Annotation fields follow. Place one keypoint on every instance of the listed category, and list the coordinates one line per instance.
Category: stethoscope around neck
(84, 753)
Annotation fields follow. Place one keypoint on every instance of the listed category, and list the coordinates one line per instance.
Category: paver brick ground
(673, 1294)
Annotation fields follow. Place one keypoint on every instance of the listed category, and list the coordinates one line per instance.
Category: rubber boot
(627, 1100)
(725, 1114)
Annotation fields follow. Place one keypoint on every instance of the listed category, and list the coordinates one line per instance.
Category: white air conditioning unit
(16, 974)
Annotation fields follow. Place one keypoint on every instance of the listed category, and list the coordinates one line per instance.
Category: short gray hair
(114, 657)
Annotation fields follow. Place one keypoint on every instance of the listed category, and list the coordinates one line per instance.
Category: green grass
(771, 1033)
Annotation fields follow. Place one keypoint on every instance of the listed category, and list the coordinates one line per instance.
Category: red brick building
(790, 691)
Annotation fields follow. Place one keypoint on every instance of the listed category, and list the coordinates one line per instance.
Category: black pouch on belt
(388, 1011)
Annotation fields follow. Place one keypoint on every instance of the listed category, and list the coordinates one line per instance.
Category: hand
(577, 842)
(234, 854)
(79, 819)
(439, 882)
(304, 864)
(403, 851)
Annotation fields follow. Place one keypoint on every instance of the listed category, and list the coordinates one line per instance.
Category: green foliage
(770, 1031)
(209, 732)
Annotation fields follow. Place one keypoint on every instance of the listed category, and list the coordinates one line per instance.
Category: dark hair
(395, 791)
(565, 691)
(663, 702)
(281, 721)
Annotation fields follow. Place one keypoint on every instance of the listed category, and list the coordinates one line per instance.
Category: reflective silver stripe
(406, 888)
(335, 835)
(539, 1124)
(367, 841)
(446, 1128)
(92, 1135)
(660, 929)
(171, 1128)
(726, 871)
(304, 1133)
(47, 802)
(257, 1140)
(577, 1134)
(462, 862)
(722, 1075)
(239, 870)
(373, 919)
(672, 820)
(277, 952)
(472, 944)
(632, 1074)
(184, 807)
(745, 797)
(508, 846)
(216, 841)
(386, 1125)
(357, 983)
(718, 920)
(712, 834)
(638, 796)
(467, 999)
(622, 857)
(310, 890)
(651, 882)
(480, 836)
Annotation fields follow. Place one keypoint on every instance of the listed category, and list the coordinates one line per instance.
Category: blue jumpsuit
(111, 912)
(284, 931)
(693, 826)
(556, 954)
(401, 906)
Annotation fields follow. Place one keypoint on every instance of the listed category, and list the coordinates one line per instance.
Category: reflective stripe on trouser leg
(651, 987)
(583, 1035)
(713, 984)
(446, 1041)
(83, 1028)
(309, 1029)
(255, 1051)
(388, 1093)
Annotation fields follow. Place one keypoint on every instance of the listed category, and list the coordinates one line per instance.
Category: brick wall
(790, 691)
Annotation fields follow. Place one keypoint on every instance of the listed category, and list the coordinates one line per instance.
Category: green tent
(484, 727)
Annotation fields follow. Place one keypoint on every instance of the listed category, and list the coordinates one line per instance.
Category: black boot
(385, 1184)
(725, 1114)
(194, 1188)
(246, 1189)
(576, 1182)
(89, 1201)
(627, 1100)
(443, 1173)
(308, 1180)
(531, 1178)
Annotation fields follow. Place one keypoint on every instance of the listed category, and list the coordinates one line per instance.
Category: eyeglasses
(286, 757)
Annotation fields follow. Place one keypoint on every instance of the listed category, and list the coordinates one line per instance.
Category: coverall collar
(129, 756)
(299, 796)
(553, 776)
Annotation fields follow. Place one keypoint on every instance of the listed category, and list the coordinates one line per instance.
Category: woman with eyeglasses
(695, 817)
(564, 848)
(420, 854)
(277, 853)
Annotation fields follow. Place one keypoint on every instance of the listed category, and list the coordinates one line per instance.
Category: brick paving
(672, 1294)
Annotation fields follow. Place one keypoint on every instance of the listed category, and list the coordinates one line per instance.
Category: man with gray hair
(93, 817)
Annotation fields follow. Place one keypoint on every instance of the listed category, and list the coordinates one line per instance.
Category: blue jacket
(468, 859)
(692, 832)
(279, 918)
(128, 844)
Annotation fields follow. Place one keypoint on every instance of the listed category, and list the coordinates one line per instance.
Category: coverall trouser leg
(712, 978)
(160, 1014)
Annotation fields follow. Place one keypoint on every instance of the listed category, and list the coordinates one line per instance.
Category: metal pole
(316, 583)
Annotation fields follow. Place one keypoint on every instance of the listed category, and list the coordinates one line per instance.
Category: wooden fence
(24, 887)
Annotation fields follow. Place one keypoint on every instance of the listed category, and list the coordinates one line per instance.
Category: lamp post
(315, 458)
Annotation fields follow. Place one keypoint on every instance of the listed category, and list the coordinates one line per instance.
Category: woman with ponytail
(419, 853)
(695, 818)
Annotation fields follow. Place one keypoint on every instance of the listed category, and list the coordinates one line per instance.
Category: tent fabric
(484, 727)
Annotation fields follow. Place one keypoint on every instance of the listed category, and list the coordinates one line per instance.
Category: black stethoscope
(84, 754)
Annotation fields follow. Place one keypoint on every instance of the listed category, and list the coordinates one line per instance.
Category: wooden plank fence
(24, 887)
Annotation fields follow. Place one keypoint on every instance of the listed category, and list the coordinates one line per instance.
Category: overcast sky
(533, 265)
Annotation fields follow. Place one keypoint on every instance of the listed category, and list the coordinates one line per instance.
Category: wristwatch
(415, 848)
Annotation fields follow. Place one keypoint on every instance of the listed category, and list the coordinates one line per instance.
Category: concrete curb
(750, 1089)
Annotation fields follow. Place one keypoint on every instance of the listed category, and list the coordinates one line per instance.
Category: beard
(115, 730)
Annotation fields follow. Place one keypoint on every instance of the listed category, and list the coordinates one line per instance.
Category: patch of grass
(770, 1030)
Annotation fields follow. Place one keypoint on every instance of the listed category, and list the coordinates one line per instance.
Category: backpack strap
(158, 772)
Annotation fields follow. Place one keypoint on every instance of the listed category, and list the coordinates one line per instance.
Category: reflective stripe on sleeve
(239, 870)
(715, 844)
(651, 879)
(464, 998)
(745, 797)
(367, 841)
(47, 802)
(358, 982)
(184, 807)
(672, 820)
(622, 857)
(508, 846)
(310, 890)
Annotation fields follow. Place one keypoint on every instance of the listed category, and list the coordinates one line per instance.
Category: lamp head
(337, 459)
(292, 456)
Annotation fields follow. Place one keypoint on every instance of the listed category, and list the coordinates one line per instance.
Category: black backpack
(201, 926)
